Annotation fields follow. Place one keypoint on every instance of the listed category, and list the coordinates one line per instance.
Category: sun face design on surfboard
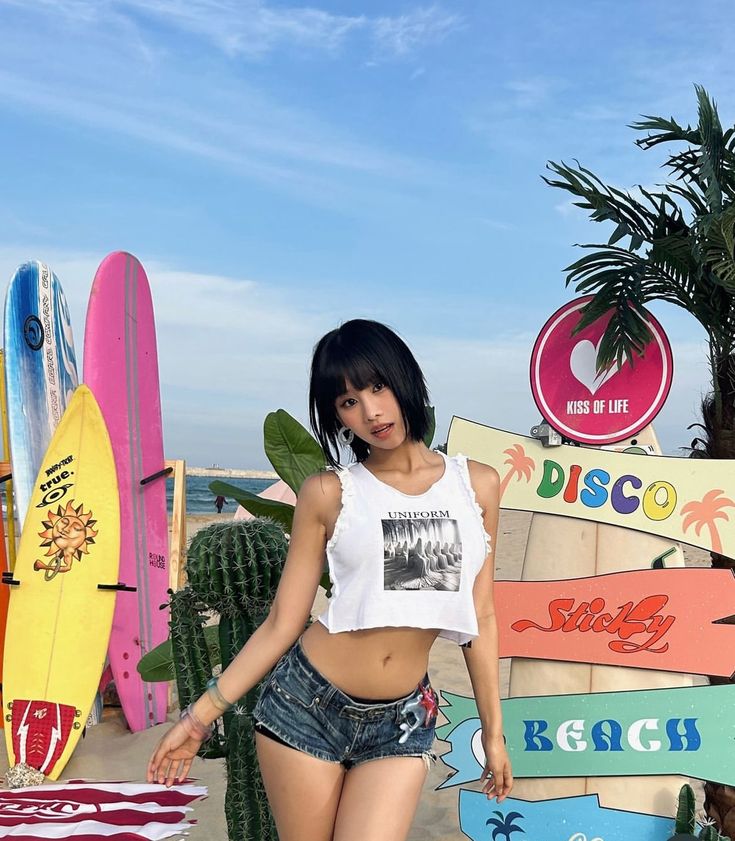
(67, 535)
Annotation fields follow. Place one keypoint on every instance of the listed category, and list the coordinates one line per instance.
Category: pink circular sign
(596, 408)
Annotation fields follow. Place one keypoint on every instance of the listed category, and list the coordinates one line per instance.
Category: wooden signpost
(668, 619)
(655, 731)
(677, 498)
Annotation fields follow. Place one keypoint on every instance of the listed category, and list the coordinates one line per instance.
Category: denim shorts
(307, 712)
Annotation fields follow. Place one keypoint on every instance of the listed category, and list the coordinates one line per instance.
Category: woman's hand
(497, 774)
(172, 757)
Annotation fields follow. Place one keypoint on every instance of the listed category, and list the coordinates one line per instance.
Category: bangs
(350, 365)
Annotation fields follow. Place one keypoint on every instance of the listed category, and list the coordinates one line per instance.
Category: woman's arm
(481, 656)
(317, 502)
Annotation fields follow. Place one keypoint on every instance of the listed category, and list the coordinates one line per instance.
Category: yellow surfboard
(59, 620)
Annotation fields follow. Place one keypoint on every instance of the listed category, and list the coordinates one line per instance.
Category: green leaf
(429, 437)
(293, 452)
(158, 664)
(326, 582)
(281, 512)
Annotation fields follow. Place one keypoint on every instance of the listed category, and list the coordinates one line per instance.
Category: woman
(345, 720)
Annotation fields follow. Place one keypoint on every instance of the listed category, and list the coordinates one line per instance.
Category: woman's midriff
(379, 663)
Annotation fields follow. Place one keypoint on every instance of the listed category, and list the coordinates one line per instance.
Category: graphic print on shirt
(421, 553)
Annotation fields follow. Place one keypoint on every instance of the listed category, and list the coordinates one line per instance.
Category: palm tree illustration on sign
(504, 824)
(521, 466)
(704, 512)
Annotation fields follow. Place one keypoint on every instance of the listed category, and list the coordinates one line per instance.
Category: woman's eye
(378, 386)
(348, 402)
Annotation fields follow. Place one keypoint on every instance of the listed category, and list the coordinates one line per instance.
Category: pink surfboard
(121, 369)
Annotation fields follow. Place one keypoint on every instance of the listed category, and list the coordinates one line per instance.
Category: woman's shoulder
(322, 485)
(485, 478)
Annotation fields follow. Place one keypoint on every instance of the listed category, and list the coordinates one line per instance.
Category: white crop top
(404, 560)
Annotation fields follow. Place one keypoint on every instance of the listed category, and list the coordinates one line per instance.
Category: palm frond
(666, 131)
(719, 249)
(711, 150)
(606, 203)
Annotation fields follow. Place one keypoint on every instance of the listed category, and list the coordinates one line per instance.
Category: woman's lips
(382, 431)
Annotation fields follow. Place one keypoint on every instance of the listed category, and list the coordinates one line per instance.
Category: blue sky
(280, 168)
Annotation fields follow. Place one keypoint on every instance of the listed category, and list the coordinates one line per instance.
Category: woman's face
(373, 414)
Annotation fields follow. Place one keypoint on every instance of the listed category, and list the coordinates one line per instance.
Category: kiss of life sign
(594, 408)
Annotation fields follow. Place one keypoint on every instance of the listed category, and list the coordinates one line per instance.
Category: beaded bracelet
(216, 697)
(194, 727)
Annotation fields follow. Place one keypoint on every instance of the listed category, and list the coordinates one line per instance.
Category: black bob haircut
(363, 352)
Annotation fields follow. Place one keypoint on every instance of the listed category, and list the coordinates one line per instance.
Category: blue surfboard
(40, 372)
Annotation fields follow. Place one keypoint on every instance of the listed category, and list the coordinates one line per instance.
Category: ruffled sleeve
(348, 494)
(465, 474)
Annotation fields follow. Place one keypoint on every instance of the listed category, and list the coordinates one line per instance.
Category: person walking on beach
(345, 719)
(219, 502)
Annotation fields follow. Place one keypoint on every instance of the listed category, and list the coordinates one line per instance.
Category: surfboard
(40, 371)
(561, 547)
(121, 368)
(58, 620)
(8, 485)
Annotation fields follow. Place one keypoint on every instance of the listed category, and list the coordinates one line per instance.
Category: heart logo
(582, 364)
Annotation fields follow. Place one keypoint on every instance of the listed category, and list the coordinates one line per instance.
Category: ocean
(200, 500)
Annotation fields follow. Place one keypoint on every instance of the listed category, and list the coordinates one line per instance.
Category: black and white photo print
(421, 554)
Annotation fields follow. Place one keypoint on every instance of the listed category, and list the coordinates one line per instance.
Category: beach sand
(110, 752)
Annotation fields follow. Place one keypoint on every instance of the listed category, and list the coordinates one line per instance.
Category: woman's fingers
(499, 781)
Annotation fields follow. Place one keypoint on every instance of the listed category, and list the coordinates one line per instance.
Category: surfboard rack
(8, 579)
(119, 586)
(5, 478)
(159, 474)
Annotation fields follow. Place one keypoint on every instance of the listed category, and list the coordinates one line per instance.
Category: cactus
(234, 566)
(686, 822)
(246, 806)
(191, 658)
(685, 817)
(233, 569)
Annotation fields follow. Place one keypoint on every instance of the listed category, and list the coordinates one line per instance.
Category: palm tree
(504, 824)
(521, 466)
(677, 244)
(704, 512)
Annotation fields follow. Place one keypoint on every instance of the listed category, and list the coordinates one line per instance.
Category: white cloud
(403, 35)
(253, 28)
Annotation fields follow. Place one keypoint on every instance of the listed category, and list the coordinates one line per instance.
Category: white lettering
(634, 734)
(569, 735)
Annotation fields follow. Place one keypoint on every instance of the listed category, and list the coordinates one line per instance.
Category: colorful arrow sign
(648, 619)
(563, 819)
(685, 499)
(689, 731)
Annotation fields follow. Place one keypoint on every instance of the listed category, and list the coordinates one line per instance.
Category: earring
(346, 435)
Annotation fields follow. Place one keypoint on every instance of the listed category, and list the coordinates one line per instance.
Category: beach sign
(664, 619)
(591, 407)
(690, 500)
(686, 730)
(559, 819)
